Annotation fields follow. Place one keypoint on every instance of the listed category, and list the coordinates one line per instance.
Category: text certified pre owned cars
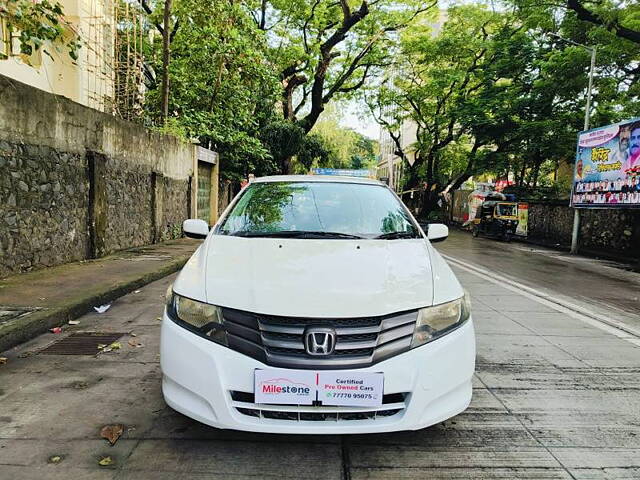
(317, 305)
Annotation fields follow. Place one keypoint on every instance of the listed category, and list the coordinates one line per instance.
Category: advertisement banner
(523, 219)
(351, 388)
(607, 169)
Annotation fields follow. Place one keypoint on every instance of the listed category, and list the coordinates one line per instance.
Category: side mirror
(195, 228)
(437, 232)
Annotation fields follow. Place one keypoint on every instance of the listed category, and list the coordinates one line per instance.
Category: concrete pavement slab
(470, 429)
(55, 472)
(555, 323)
(522, 350)
(598, 351)
(228, 459)
(459, 473)
(419, 457)
(511, 303)
(81, 453)
(494, 323)
(544, 377)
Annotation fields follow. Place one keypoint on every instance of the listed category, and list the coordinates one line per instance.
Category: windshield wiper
(395, 235)
(295, 234)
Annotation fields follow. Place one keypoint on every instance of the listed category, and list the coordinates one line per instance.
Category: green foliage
(40, 25)
(347, 148)
(222, 87)
(495, 92)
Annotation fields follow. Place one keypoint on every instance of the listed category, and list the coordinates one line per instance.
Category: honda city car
(317, 304)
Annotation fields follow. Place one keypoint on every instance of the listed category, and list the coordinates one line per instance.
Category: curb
(22, 329)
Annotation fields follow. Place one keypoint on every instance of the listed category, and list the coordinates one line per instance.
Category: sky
(352, 117)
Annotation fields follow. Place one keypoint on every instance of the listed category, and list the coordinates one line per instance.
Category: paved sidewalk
(33, 302)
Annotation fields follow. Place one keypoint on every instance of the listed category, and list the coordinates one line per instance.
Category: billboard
(607, 169)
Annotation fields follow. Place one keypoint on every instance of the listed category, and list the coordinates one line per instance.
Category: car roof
(317, 178)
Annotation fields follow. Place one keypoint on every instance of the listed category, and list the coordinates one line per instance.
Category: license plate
(301, 387)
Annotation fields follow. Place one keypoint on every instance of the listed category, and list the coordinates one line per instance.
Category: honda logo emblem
(319, 341)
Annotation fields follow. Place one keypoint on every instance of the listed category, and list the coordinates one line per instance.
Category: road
(602, 288)
(556, 396)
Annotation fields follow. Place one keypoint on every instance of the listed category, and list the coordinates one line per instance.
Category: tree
(436, 82)
(610, 16)
(40, 25)
(493, 92)
(223, 88)
(326, 50)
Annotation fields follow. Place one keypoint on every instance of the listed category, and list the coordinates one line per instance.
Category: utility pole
(575, 233)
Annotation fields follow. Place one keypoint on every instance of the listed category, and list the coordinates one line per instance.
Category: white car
(317, 305)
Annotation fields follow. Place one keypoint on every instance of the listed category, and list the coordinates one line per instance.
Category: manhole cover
(81, 343)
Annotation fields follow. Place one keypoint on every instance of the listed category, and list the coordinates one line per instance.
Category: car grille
(393, 404)
(278, 341)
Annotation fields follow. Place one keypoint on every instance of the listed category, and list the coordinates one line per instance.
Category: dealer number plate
(300, 387)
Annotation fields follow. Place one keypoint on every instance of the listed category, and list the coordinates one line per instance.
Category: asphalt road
(556, 396)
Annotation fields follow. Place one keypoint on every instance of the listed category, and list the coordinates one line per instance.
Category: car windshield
(318, 210)
(506, 210)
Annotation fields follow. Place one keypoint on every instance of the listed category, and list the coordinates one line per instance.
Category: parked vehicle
(496, 219)
(317, 305)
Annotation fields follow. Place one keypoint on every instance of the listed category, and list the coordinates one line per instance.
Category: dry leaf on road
(105, 461)
(112, 432)
(3, 360)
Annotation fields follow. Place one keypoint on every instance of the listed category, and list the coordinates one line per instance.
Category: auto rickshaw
(496, 219)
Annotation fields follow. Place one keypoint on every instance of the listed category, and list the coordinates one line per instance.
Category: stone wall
(608, 232)
(78, 184)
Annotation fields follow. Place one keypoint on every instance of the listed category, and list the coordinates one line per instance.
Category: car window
(347, 208)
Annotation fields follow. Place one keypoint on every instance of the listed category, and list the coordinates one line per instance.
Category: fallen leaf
(115, 346)
(133, 334)
(56, 330)
(136, 291)
(3, 360)
(159, 318)
(112, 432)
(101, 346)
(74, 322)
(105, 461)
(55, 459)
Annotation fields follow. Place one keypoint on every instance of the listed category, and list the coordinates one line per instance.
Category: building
(105, 29)
(390, 165)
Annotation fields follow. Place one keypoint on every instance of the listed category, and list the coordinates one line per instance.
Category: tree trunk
(287, 166)
(166, 53)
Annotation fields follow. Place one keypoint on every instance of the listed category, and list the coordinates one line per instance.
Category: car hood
(312, 278)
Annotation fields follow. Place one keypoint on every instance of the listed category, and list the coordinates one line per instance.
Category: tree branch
(614, 26)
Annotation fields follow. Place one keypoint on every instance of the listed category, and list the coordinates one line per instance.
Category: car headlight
(433, 322)
(201, 318)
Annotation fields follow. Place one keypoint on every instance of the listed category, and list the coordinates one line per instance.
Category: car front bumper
(198, 377)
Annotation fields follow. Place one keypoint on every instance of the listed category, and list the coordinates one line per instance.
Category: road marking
(608, 325)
